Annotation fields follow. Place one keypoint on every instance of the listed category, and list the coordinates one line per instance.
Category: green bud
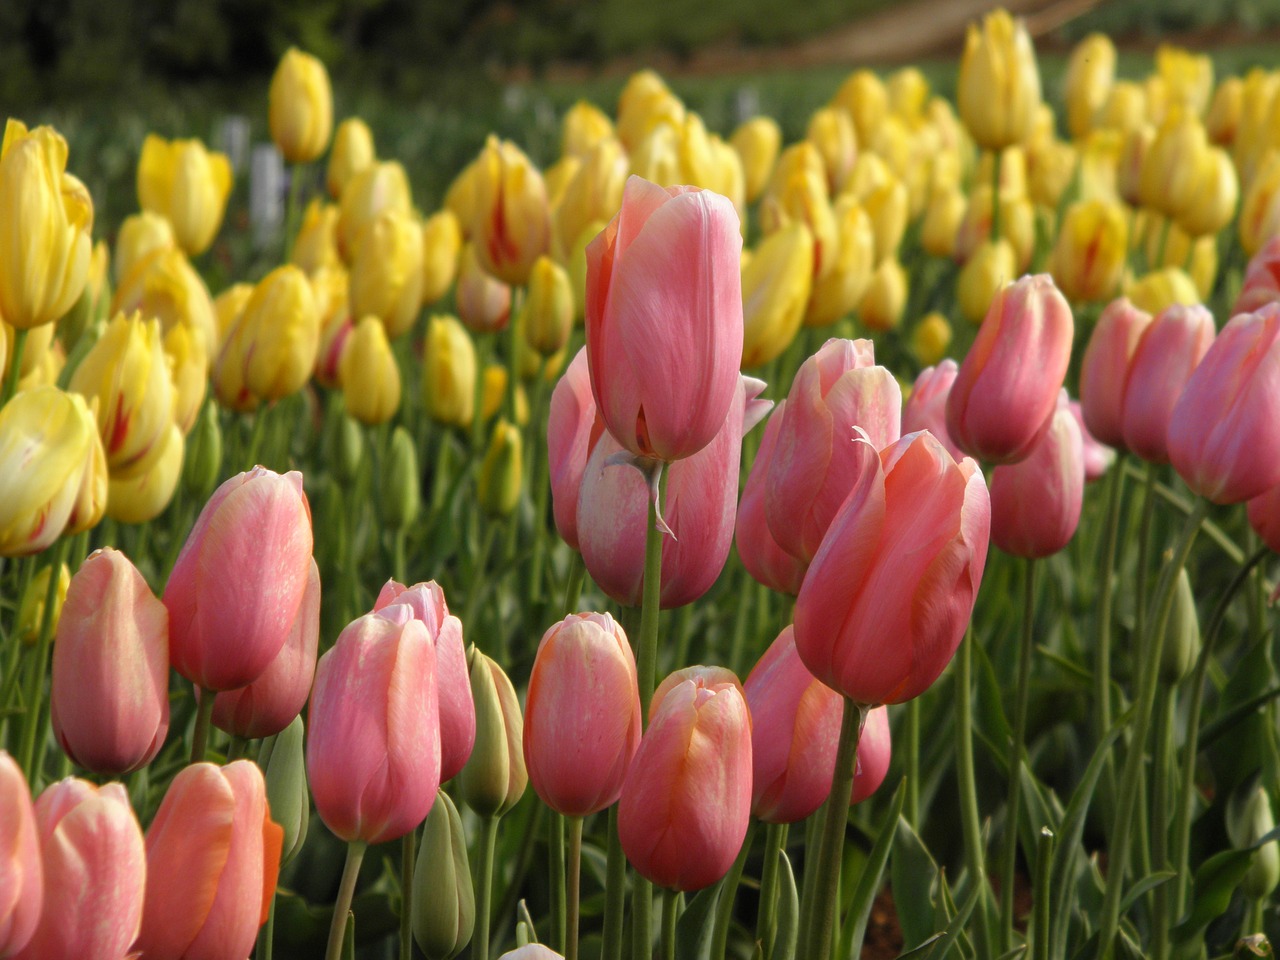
(1182, 638)
(443, 901)
(494, 779)
(203, 466)
(284, 768)
(401, 483)
(499, 487)
(1249, 818)
(343, 441)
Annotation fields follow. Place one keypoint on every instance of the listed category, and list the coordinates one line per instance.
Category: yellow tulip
(370, 375)
(460, 198)
(991, 266)
(644, 104)
(316, 245)
(1013, 171)
(495, 394)
(352, 152)
(998, 90)
(594, 193)
(386, 274)
(1188, 78)
(271, 351)
(1133, 157)
(190, 369)
(803, 199)
(1159, 289)
(757, 141)
(887, 208)
(1091, 72)
(930, 338)
(1168, 178)
(144, 497)
(1126, 107)
(657, 157)
(127, 373)
(441, 244)
(908, 93)
(31, 610)
(378, 187)
(512, 222)
(870, 172)
(728, 178)
(300, 107)
(843, 287)
(1088, 257)
(164, 285)
(693, 148)
(1098, 165)
(141, 234)
(1259, 107)
(48, 214)
(942, 219)
(483, 301)
(799, 158)
(775, 290)
(1017, 225)
(548, 308)
(47, 368)
(863, 96)
(1213, 196)
(92, 303)
(1052, 168)
(228, 305)
(831, 131)
(449, 372)
(584, 126)
(1260, 212)
(498, 488)
(52, 469)
(1225, 110)
(330, 288)
(557, 176)
(886, 297)
(187, 185)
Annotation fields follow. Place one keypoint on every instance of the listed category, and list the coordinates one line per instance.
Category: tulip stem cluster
(32, 720)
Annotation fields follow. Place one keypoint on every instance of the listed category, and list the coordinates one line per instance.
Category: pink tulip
(1171, 347)
(686, 801)
(95, 873)
(1098, 457)
(269, 704)
(21, 870)
(664, 318)
(1261, 280)
(699, 499)
(926, 408)
(213, 858)
(838, 394)
(795, 724)
(1104, 370)
(571, 435)
(767, 562)
(1036, 502)
(238, 584)
(886, 600)
(1007, 387)
(582, 715)
(1222, 438)
(453, 683)
(1264, 517)
(109, 700)
(373, 744)
(531, 951)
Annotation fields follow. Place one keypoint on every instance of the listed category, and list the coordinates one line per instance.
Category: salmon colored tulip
(582, 717)
(21, 867)
(1221, 438)
(483, 301)
(926, 408)
(1105, 368)
(373, 731)
(687, 797)
(1007, 387)
(889, 593)
(767, 562)
(795, 729)
(1264, 517)
(109, 700)
(95, 873)
(838, 394)
(1170, 348)
(453, 684)
(239, 582)
(213, 858)
(1261, 280)
(1036, 502)
(664, 319)
(698, 503)
(269, 704)
(570, 425)
(1098, 457)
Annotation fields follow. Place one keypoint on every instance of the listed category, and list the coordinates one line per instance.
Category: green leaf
(784, 946)
(693, 929)
(951, 935)
(913, 877)
(1224, 724)
(1145, 886)
(1215, 881)
(864, 895)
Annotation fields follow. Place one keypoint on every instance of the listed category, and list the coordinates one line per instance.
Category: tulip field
(799, 538)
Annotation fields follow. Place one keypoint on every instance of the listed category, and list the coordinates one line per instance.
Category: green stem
(342, 906)
(615, 893)
(1133, 765)
(775, 839)
(15, 365)
(479, 580)
(515, 330)
(255, 438)
(669, 924)
(1009, 863)
(911, 749)
(1161, 244)
(557, 891)
(1102, 652)
(728, 892)
(291, 210)
(573, 892)
(835, 817)
(573, 589)
(200, 736)
(1144, 561)
(647, 658)
(237, 748)
(997, 156)
(971, 825)
(31, 723)
(1041, 939)
(408, 845)
(266, 939)
(1185, 507)
(1162, 777)
(483, 350)
(641, 919)
(484, 891)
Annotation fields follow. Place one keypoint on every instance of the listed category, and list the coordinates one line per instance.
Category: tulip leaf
(1145, 886)
(939, 945)
(913, 879)
(1215, 881)
(784, 946)
(1223, 724)
(694, 928)
(864, 895)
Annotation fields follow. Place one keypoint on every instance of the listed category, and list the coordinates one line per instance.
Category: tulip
(864, 97)
(1223, 117)
(1214, 194)
(1158, 290)
(584, 125)
(548, 307)
(1189, 77)
(926, 407)
(380, 187)
(1261, 280)
(449, 372)
(498, 486)
(656, 158)
(31, 608)
(213, 858)
(763, 558)
(1017, 225)
(400, 487)
(1219, 440)
(1007, 387)
(187, 185)
(239, 583)
(1091, 71)
(931, 338)
(646, 103)
(698, 506)
(757, 141)
(495, 776)
(837, 395)
(511, 224)
(386, 274)
(271, 351)
(54, 477)
(352, 152)
(44, 255)
(145, 496)
(795, 724)
(441, 244)
(300, 110)
(228, 307)
(832, 132)
(570, 422)
(902, 559)
(483, 301)
(444, 907)
(942, 218)
(664, 356)
(1167, 181)
(850, 265)
(1098, 457)
(94, 873)
(315, 247)
(992, 266)
(141, 234)
(885, 298)
(370, 374)
(1171, 347)
(582, 715)
(887, 207)
(998, 91)
(1104, 370)
(775, 289)
(594, 192)
(1089, 254)
(687, 797)
(164, 285)
(21, 866)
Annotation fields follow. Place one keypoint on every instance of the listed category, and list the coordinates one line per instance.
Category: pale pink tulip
(21, 869)
(1261, 280)
(926, 408)
(1098, 457)
(767, 562)
(1104, 371)
(571, 434)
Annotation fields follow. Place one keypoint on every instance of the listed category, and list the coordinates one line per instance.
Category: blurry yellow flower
(1091, 71)
(557, 177)
(333, 306)
(594, 193)
(1099, 164)
(441, 244)
(1088, 256)
(548, 307)
(449, 372)
(271, 351)
(1126, 107)
(1052, 168)
(843, 287)
(886, 297)
(998, 90)
(584, 126)
(757, 141)
(378, 187)
(728, 177)
(887, 208)
(1188, 78)
(1133, 157)
(1155, 291)
(483, 301)
(300, 107)
(31, 609)
(775, 290)
(1225, 110)
(908, 93)
(1168, 178)
(495, 393)
(1260, 212)
(316, 245)
(141, 234)
(1017, 225)
(512, 225)
(1013, 171)
(1214, 193)
(190, 369)
(187, 185)
(386, 273)
(1259, 108)
(657, 156)
(991, 266)
(831, 131)
(164, 285)
(460, 198)
(498, 488)
(863, 96)
(930, 338)
(942, 218)
(228, 305)
(693, 147)
(646, 103)
(370, 375)
(145, 496)
(352, 152)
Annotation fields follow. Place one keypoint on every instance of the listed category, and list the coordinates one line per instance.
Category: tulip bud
(548, 307)
(511, 222)
(380, 187)
(1089, 254)
(1250, 818)
(300, 110)
(140, 235)
(22, 876)
(386, 273)
(1158, 290)
(31, 610)
(926, 407)
(271, 351)
(1182, 637)
(1168, 177)
(494, 779)
(1214, 194)
(498, 489)
(775, 289)
(1091, 72)
(1223, 118)
(483, 301)
(288, 799)
(931, 338)
(352, 152)
(886, 297)
(1017, 224)
(401, 488)
(594, 192)
(942, 219)
(144, 497)
(844, 285)
(370, 374)
(449, 372)
(646, 103)
(441, 244)
(832, 132)
(887, 207)
(998, 91)
(992, 266)
(757, 141)
(187, 185)
(444, 908)
(204, 455)
(584, 125)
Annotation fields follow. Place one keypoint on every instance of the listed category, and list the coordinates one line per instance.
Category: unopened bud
(443, 902)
